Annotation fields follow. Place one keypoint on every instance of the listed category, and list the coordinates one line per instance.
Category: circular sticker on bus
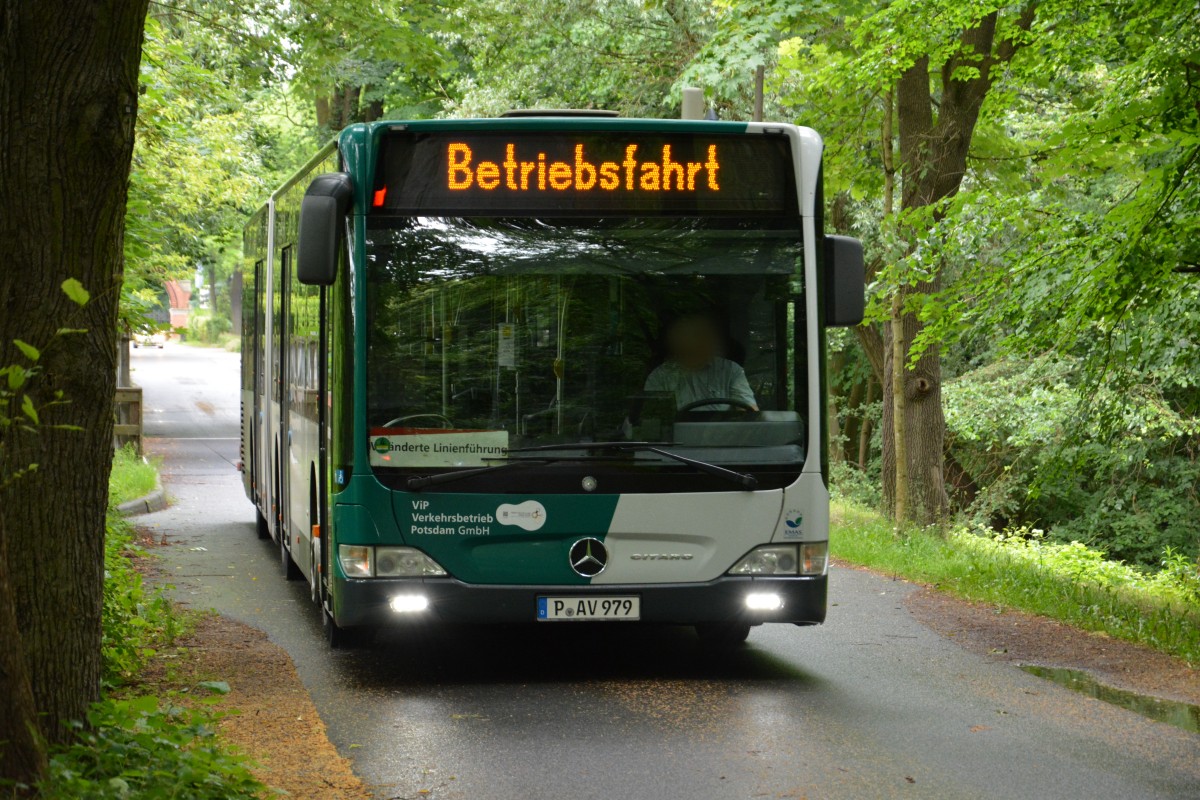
(530, 515)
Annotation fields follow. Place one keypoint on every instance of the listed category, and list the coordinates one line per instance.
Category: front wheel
(723, 635)
(260, 526)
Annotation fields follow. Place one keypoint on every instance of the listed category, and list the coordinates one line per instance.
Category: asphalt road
(870, 705)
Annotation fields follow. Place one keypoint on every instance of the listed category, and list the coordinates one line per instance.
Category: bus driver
(695, 370)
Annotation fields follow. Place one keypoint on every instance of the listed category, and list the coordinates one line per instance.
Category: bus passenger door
(257, 466)
(301, 418)
(279, 384)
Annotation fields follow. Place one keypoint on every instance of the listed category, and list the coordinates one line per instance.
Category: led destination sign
(582, 175)
(617, 173)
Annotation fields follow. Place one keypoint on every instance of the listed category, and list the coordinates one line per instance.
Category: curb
(155, 501)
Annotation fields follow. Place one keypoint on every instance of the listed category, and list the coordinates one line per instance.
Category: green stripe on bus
(504, 539)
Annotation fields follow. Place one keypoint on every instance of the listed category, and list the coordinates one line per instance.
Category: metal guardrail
(128, 411)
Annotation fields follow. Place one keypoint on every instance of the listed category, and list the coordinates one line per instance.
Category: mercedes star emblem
(589, 557)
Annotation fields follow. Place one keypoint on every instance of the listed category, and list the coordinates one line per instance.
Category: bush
(848, 482)
(139, 748)
(205, 327)
(215, 326)
(1117, 471)
(135, 622)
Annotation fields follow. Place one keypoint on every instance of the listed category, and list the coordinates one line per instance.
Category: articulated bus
(550, 367)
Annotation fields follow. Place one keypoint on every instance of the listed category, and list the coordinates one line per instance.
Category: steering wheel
(712, 401)
(399, 421)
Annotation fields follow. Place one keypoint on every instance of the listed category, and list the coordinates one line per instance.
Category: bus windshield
(490, 336)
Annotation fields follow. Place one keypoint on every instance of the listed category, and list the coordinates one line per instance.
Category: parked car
(155, 339)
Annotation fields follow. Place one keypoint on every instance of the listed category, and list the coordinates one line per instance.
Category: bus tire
(290, 571)
(314, 544)
(260, 526)
(723, 635)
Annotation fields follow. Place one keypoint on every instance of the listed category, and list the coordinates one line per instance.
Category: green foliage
(1078, 227)
(625, 55)
(74, 290)
(1123, 481)
(19, 411)
(207, 149)
(131, 477)
(135, 621)
(28, 350)
(849, 483)
(208, 328)
(142, 748)
(1019, 569)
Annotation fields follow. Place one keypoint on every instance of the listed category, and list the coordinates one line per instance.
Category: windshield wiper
(421, 481)
(745, 480)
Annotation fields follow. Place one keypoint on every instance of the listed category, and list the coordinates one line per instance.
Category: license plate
(585, 609)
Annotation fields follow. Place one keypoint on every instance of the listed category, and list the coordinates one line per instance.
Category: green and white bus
(551, 367)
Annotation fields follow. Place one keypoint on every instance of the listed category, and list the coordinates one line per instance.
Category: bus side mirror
(845, 292)
(322, 210)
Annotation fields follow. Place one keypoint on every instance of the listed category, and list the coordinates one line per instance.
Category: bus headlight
(405, 562)
(361, 561)
(808, 558)
(355, 560)
(772, 559)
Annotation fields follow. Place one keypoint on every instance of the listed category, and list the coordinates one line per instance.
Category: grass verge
(1018, 569)
(132, 477)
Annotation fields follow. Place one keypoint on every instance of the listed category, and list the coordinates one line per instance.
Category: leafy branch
(19, 411)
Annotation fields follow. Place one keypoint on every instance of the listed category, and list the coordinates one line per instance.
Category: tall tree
(68, 101)
(939, 97)
(898, 91)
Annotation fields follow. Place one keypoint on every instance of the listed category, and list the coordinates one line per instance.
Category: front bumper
(367, 602)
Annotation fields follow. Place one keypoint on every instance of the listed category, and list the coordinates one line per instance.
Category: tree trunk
(853, 424)
(68, 99)
(933, 150)
(834, 403)
(344, 106)
(900, 482)
(322, 103)
(22, 756)
(864, 431)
